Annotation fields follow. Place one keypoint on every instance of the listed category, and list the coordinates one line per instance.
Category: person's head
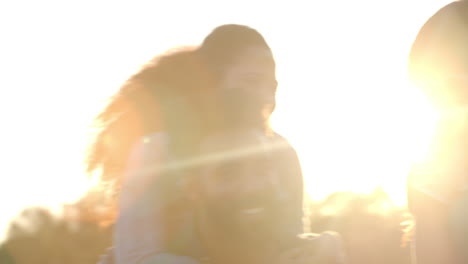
(438, 60)
(236, 189)
(244, 70)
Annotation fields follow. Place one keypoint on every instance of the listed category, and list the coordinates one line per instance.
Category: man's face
(239, 189)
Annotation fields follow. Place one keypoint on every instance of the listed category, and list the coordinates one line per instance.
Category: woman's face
(249, 85)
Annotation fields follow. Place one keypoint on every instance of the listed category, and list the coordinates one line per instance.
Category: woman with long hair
(155, 123)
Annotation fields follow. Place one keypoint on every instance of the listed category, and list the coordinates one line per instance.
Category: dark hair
(225, 42)
(221, 48)
(174, 92)
(438, 60)
(165, 84)
(152, 99)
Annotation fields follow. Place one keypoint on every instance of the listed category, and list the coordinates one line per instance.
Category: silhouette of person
(162, 113)
(437, 194)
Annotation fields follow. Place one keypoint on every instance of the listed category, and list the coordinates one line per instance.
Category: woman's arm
(139, 233)
(138, 228)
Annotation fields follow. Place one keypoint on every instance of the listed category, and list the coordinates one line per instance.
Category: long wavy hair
(175, 92)
(169, 93)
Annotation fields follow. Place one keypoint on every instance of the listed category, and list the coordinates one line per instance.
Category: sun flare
(356, 144)
(343, 101)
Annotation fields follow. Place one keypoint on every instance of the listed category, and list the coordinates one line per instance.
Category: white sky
(343, 100)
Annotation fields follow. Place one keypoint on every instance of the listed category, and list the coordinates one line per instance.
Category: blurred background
(344, 102)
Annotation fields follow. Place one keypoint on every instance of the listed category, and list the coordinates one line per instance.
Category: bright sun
(363, 140)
